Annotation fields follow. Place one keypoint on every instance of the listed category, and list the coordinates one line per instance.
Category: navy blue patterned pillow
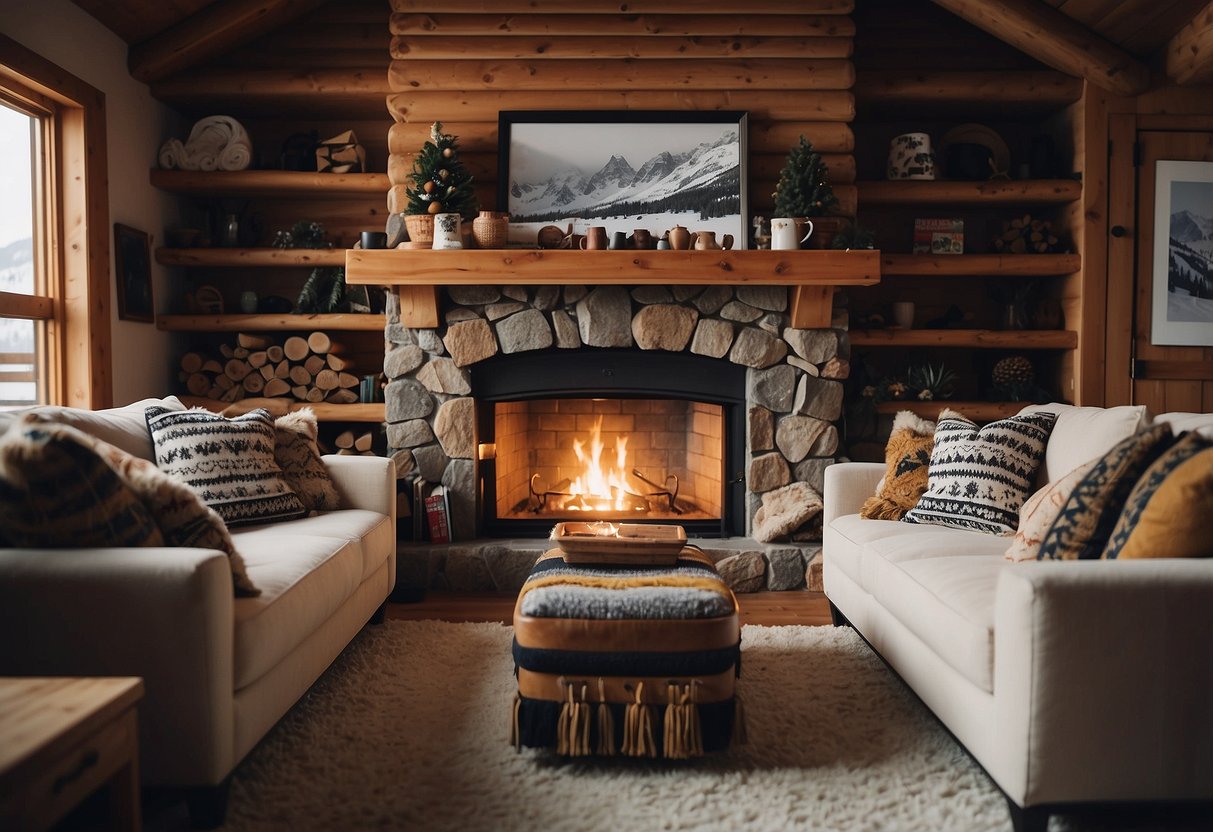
(228, 462)
(979, 478)
(1084, 524)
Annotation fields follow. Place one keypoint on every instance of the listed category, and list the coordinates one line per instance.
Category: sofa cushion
(370, 532)
(55, 491)
(1084, 524)
(1175, 521)
(948, 603)
(123, 427)
(304, 579)
(979, 477)
(229, 462)
(1040, 512)
(296, 453)
(907, 455)
(1084, 433)
(1180, 422)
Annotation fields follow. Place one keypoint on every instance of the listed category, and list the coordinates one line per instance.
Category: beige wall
(136, 124)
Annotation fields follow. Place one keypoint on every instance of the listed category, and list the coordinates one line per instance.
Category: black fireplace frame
(612, 373)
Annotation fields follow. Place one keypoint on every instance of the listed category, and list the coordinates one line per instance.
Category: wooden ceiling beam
(209, 32)
(1190, 52)
(1046, 34)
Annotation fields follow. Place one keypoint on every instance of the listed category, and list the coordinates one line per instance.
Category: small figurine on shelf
(762, 232)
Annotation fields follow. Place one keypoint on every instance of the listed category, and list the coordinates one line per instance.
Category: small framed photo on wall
(133, 271)
(1182, 288)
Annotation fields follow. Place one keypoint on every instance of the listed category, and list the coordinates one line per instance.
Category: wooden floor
(766, 608)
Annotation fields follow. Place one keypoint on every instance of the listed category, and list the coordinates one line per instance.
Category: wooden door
(1165, 378)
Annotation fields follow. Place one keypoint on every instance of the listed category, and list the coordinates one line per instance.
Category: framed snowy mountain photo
(1182, 290)
(623, 169)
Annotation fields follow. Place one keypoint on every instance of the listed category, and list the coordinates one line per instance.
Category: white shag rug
(409, 730)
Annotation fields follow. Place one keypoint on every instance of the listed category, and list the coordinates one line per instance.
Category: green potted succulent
(441, 185)
(804, 192)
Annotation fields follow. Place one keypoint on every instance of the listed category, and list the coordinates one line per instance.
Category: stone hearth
(794, 397)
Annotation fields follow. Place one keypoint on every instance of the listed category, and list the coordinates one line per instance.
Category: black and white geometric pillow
(228, 462)
(978, 479)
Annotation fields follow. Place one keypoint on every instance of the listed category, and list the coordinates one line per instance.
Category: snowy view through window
(17, 340)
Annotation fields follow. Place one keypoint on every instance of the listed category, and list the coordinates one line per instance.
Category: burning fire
(601, 488)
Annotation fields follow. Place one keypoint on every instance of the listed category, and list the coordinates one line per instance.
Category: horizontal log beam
(1190, 52)
(1047, 89)
(367, 80)
(482, 105)
(765, 137)
(629, 7)
(695, 48)
(1056, 40)
(626, 74)
(674, 25)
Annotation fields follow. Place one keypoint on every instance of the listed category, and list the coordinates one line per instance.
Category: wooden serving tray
(632, 543)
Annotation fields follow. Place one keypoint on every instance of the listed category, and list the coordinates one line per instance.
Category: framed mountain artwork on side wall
(1182, 287)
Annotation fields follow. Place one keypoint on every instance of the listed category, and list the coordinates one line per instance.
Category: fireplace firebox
(615, 435)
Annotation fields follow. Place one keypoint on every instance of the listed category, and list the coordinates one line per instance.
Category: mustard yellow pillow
(1175, 523)
(906, 459)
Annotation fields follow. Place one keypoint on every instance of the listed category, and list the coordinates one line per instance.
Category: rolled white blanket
(170, 154)
(236, 156)
(216, 143)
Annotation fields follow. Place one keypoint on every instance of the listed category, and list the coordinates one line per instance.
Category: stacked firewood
(349, 443)
(1024, 235)
(309, 369)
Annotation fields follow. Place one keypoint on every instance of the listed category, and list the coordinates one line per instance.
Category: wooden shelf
(970, 265)
(1015, 339)
(325, 412)
(236, 257)
(812, 275)
(998, 192)
(977, 411)
(267, 323)
(270, 183)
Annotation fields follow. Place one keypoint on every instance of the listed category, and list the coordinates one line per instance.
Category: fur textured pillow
(56, 492)
(785, 510)
(979, 478)
(228, 462)
(296, 452)
(907, 457)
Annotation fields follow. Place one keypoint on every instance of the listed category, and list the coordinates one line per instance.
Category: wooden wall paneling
(754, 7)
(269, 135)
(1091, 224)
(474, 137)
(1039, 89)
(1189, 55)
(763, 105)
(1122, 191)
(343, 219)
(632, 24)
(696, 47)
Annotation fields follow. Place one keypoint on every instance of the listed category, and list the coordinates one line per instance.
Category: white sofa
(219, 670)
(1070, 682)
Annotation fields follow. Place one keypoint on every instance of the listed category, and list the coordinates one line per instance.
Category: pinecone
(1013, 371)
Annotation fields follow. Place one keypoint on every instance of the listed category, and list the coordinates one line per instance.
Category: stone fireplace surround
(793, 400)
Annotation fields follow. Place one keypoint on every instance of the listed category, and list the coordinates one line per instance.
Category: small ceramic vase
(680, 238)
(619, 240)
(447, 231)
(910, 157)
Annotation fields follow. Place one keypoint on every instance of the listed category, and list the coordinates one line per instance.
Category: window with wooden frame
(54, 241)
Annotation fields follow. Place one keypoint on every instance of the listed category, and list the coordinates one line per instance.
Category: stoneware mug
(447, 232)
(595, 238)
(783, 233)
(619, 240)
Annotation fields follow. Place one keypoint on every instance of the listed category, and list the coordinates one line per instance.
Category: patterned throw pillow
(296, 453)
(1084, 524)
(906, 459)
(56, 492)
(1038, 513)
(228, 462)
(1164, 529)
(978, 479)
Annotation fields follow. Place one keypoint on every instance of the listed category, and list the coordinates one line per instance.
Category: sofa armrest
(366, 482)
(165, 614)
(848, 485)
(1099, 663)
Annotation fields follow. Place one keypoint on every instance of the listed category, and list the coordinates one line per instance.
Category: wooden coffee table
(60, 739)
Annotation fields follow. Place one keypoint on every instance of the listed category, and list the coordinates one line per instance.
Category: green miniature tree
(804, 184)
(441, 184)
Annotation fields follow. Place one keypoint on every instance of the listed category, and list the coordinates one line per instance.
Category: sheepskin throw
(907, 457)
(296, 452)
(228, 462)
(979, 478)
(785, 510)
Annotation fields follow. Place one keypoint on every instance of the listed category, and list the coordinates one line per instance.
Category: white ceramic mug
(447, 232)
(903, 314)
(783, 233)
(910, 157)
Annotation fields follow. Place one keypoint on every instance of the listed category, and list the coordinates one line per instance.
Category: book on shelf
(438, 515)
(939, 236)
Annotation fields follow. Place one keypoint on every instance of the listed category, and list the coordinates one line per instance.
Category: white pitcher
(783, 233)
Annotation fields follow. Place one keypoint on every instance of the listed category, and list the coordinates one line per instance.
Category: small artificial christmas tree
(441, 184)
(804, 184)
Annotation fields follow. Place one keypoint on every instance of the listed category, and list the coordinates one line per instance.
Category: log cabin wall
(786, 62)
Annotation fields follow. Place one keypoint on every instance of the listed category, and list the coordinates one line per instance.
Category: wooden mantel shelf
(812, 275)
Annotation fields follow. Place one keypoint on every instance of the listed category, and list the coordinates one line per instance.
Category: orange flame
(601, 487)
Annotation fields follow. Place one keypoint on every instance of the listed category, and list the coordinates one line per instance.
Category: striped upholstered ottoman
(632, 660)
